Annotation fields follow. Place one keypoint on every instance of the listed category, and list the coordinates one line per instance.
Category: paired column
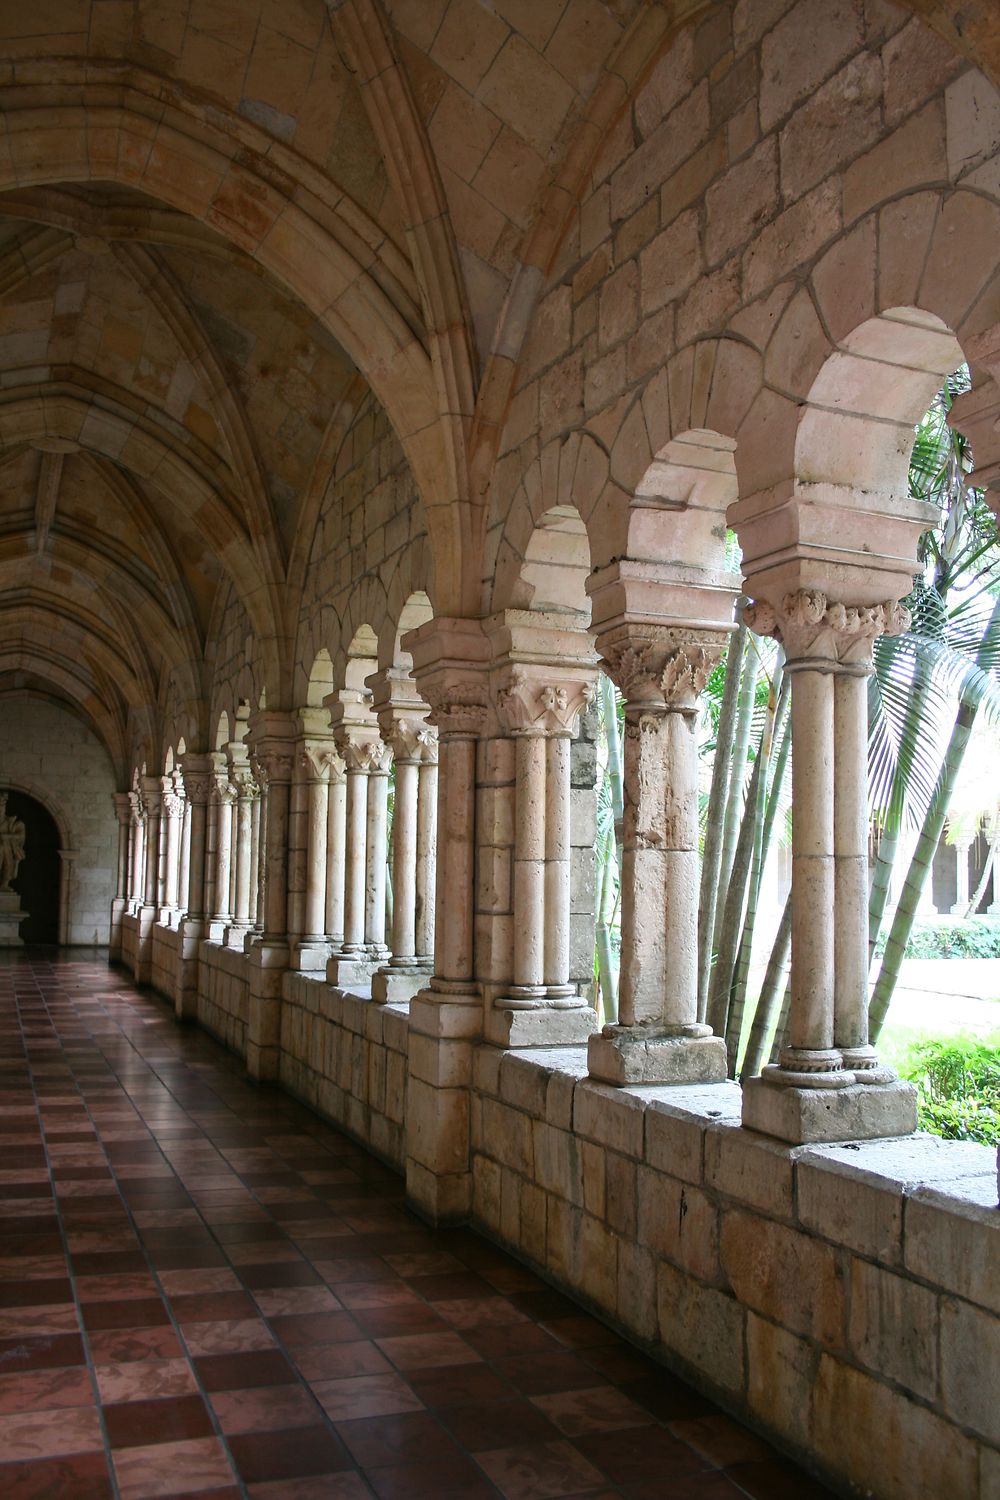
(316, 763)
(136, 848)
(172, 820)
(366, 763)
(198, 787)
(223, 802)
(661, 670)
(413, 743)
(272, 737)
(538, 706)
(120, 899)
(812, 1093)
(243, 858)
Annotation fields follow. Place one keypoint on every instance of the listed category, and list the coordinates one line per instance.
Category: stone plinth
(11, 917)
(854, 1112)
(638, 1054)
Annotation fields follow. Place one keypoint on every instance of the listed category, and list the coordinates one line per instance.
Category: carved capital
(316, 760)
(245, 785)
(811, 627)
(198, 785)
(458, 708)
(412, 740)
(223, 790)
(665, 666)
(272, 764)
(540, 702)
(361, 749)
(172, 805)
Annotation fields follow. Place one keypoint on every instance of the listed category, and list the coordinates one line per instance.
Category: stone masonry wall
(347, 1058)
(50, 754)
(224, 995)
(829, 1295)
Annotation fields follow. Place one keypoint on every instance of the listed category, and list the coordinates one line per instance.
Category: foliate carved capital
(317, 761)
(223, 790)
(198, 785)
(458, 708)
(810, 626)
(137, 812)
(245, 785)
(172, 805)
(272, 765)
(362, 750)
(413, 740)
(528, 703)
(663, 666)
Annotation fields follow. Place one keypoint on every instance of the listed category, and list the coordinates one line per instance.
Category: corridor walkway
(205, 1290)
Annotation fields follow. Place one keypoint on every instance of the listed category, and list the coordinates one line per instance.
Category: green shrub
(958, 1088)
(977, 938)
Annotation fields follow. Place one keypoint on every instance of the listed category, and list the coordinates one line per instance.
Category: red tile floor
(205, 1290)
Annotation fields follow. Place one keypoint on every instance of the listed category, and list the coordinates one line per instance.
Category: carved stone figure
(11, 844)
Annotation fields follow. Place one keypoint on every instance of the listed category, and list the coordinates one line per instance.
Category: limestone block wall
(130, 943)
(166, 961)
(347, 1058)
(49, 753)
(820, 1292)
(224, 995)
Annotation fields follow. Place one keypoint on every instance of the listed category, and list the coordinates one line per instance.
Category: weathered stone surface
(785, 1275)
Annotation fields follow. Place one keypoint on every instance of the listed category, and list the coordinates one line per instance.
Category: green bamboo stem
(714, 825)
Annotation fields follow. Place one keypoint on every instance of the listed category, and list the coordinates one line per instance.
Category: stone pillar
(184, 860)
(542, 681)
(450, 668)
(120, 899)
(172, 819)
(413, 741)
(828, 1084)
(154, 856)
(359, 745)
(224, 806)
(661, 671)
(199, 783)
(137, 816)
(272, 738)
(244, 854)
(426, 884)
(961, 878)
(316, 760)
(257, 856)
(336, 840)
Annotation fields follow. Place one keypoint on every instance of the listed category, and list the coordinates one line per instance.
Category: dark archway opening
(37, 881)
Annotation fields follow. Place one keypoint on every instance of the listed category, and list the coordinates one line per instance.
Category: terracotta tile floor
(204, 1290)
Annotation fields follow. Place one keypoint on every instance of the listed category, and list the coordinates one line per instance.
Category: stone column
(120, 898)
(184, 859)
(223, 804)
(427, 802)
(961, 878)
(172, 818)
(377, 852)
(450, 667)
(256, 856)
(538, 705)
(312, 949)
(361, 751)
(413, 742)
(828, 1084)
(336, 839)
(243, 857)
(272, 737)
(136, 849)
(661, 671)
(153, 853)
(199, 782)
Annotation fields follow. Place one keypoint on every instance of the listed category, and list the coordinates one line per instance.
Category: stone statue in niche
(11, 844)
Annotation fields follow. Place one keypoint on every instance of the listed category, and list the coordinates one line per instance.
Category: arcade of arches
(373, 375)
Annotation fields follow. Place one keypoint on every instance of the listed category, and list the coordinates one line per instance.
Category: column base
(540, 1025)
(396, 986)
(642, 1054)
(777, 1104)
(235, 934)
(350, 969)
(216, 930)
(310, 955)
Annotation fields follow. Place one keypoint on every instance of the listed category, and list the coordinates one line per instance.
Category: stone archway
(40, 882)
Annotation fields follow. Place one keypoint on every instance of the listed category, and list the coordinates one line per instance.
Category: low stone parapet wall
(843, 1299)
(224, 995)
(347, 1057)
(165, 961)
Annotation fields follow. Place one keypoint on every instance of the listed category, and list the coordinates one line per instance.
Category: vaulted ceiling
(221, 222)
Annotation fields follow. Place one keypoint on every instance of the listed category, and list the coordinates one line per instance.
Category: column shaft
(223, 859)
(336, 842)
(375, 857)
(426, 862)
(557, 863)
(810, 1027)
(850, 832)
(355, 859)
(453, 925)
(404, 861)
(529, 866)
(681, 871)
(316, 861)
(644, 975)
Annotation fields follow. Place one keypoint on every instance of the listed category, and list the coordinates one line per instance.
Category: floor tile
(408, 1362)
